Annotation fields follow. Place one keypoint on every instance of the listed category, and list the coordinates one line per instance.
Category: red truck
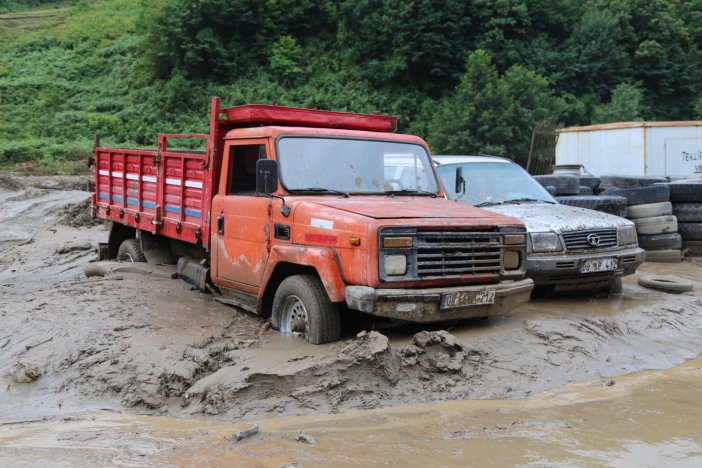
(300, 213)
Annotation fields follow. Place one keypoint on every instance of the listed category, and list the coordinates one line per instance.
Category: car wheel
(690, 231)
(685, 191)
(301, 305)
(688, 212)
(564, 184)
(129, 251)
(607, 181)
(606, 204)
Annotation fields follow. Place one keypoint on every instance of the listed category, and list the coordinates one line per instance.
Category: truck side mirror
(460, 181)
(266, 176)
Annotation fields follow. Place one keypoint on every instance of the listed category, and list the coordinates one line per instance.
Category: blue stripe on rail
(132, 201)
(148, 204)
(188, 211)
(104, 196)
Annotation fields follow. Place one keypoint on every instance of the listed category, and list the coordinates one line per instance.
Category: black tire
(585, 190)
(129, 251)
(649, 209)
(688, 212)
(661, 242)
(686, 191)
(606, 204)
(624, 182)
(564, 184)
(642, 195)
(656, 225)
(301, 305)
(589, 181)
(665, 283)
(664, 256)
(690, 231)
(693, 248)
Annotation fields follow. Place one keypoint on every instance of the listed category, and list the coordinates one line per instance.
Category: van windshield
(492, 183)
(355, 166)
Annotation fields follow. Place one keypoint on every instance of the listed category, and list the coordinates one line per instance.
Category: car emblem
(593, 239)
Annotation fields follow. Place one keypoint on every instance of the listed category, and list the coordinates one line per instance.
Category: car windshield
(330, 165)
(492, 183)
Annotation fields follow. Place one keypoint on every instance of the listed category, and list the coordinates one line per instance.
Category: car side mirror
(266, 176)
(460, 181)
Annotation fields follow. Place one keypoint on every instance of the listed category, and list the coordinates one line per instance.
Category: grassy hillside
(468, 76)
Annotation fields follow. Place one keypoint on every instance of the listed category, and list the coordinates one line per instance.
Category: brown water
(646, 419)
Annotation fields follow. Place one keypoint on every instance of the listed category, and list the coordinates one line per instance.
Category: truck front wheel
(301, 305)
(129, 251)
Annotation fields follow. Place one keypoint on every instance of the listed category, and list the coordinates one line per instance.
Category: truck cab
(301, 214)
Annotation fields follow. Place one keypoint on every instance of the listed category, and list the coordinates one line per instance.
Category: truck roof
(263, 115)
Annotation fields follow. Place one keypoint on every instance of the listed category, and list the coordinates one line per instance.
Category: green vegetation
(471, 77)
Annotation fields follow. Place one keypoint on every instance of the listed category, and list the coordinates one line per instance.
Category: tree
(626, 105)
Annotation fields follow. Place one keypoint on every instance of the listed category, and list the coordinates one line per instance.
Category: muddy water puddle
(645, 419)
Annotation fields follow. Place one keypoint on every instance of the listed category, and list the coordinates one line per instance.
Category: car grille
(578, 240)
(442, 254)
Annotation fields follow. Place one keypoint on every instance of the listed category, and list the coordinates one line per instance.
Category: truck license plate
(603, 264)
(467, 298)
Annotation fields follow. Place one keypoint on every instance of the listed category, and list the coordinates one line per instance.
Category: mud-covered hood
(407, 207)
(543, 217)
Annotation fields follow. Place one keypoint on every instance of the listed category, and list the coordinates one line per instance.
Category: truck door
(240, 219)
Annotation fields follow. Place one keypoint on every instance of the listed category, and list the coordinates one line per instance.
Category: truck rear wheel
(129, 251)
(301, 305)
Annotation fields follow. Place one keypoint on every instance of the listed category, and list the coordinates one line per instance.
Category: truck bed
(155, 191)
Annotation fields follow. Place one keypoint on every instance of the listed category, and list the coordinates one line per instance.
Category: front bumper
(424, 305)
(565, 269)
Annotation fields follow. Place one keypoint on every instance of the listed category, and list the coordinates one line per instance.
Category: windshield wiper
(526, 199)
(409, 191)
(488, 203)
(320, 190)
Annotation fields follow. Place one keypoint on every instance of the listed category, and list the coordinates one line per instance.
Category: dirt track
(135, 338)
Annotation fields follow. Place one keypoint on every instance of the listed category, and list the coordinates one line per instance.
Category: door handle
(220, 224)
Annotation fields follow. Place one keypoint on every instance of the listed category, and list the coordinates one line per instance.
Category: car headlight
(395, 265)
(627, 235)
(544, 242)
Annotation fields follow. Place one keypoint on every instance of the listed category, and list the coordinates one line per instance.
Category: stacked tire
(580, 191)
(686, 198)
(649, 207)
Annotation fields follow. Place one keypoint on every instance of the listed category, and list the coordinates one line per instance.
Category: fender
(322, 259)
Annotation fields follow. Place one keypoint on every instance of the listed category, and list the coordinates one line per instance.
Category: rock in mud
(77, 247)
(439, 350)
(306, 438)
(78, 215)
(26, 373)
(249, 431)
(9, 184)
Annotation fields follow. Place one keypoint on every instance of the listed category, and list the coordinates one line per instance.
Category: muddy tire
(585, 190)
(656, 225)
(671, 241)
(641, 195)
(693, 248)
(625, 182)
(649, 210)
(606, 204)
(664, 256)
(301, 305)
(690, 231)
(129, 251)
(665, 283)
(688, 212)
(616, 287)
(686, 191)
(589, 181)
(564, 184)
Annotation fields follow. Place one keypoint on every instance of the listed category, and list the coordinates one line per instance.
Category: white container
(634, 148)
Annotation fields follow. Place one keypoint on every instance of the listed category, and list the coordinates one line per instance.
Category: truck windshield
(355, 166)
(493, 183)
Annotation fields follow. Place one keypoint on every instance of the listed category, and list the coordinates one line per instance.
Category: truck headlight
(543, 242)
(627, 235)
(395, 265)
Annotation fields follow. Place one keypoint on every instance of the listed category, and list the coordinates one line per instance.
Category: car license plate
(467, 298)
(603, 264)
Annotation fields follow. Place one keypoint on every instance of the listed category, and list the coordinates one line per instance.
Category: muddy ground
(129, 337)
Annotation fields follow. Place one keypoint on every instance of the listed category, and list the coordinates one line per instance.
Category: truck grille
(578, 240)
(442, 254)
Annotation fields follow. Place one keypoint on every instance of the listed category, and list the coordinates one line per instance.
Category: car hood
(543, 217)
(408, 207)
